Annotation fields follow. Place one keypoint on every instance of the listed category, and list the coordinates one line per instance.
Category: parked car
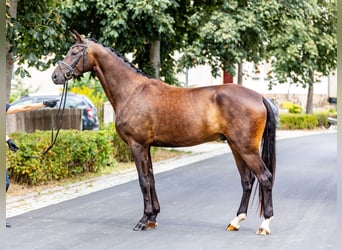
(90, 119)
(332, 121)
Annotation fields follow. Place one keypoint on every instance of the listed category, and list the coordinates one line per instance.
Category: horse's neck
(117, 78)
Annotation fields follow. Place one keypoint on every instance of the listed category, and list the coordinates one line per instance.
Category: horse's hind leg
(247, 181)
(266, 183)
(265, 179)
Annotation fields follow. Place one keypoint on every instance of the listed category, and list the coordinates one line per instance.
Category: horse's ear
(78, 38)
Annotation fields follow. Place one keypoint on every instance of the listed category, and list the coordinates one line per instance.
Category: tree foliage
(297, 36)
(133, 25)
(303, 41)
(233, 32)
(35, 33)
(127, 26)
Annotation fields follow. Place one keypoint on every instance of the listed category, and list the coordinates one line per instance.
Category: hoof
(152, 224)
(139, 227)
(144, 227)
(262, 231)
(230, 227)
(234, 225)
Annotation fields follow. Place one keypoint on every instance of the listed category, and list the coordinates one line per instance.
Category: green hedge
(75, 152)
(303, 121)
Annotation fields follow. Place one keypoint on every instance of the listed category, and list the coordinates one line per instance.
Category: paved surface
(22, 204)
(198, 201)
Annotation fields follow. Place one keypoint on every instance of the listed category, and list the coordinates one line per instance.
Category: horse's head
(74, 63)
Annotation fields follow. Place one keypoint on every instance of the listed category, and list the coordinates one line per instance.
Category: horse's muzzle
(57, 77)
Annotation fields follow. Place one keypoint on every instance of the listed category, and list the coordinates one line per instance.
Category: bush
(322, 120)
(75, 152)
(304, 121)
(293, 108)
(122, 153)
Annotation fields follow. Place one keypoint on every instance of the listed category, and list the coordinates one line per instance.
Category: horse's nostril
(54, 77)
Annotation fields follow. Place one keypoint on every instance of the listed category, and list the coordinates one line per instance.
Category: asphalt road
(197, 203)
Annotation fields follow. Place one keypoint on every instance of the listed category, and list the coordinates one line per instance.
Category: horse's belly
(184, 138)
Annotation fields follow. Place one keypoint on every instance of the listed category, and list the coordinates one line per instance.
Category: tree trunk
(309, 101)
(155, 57)
(240, 74)
(9, 55)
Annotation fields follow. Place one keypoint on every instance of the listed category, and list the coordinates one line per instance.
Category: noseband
(70, 73)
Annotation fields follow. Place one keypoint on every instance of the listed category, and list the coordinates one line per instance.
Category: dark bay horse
(152, 113)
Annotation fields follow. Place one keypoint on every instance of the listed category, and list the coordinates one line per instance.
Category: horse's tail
(268, 147)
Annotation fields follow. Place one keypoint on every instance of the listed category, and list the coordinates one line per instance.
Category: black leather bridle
(70, 73)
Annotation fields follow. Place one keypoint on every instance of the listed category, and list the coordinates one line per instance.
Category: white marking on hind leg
(265, 227)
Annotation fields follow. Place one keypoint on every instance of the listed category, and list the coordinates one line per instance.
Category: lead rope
(59, 118)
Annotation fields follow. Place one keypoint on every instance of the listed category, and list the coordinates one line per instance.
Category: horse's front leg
(143, 164)
(152, 220)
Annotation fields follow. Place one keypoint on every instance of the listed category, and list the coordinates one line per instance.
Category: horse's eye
(73, 53)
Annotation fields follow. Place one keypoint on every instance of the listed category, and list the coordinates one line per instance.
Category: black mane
(123, 58)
